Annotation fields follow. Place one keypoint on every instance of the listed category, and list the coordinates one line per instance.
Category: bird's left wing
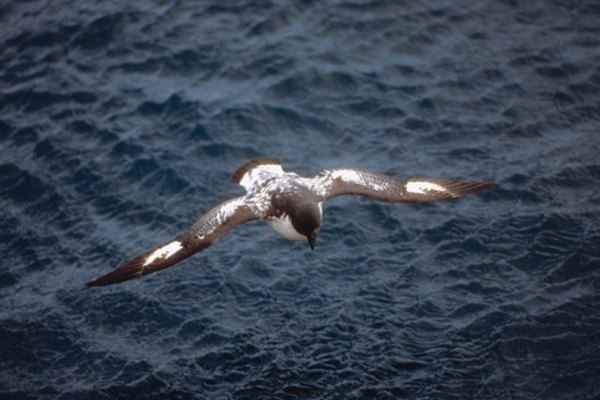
(331, 183)
(210, 228)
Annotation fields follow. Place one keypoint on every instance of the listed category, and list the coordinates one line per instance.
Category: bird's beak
(311, 240)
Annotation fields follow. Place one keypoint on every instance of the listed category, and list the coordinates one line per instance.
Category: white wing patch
(356, 177)
(217, 216)
(421, 187)
(347, 175)
(258, 174)
(227, 210)
(165, 251)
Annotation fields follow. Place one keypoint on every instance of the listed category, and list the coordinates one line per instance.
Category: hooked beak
(311, 240)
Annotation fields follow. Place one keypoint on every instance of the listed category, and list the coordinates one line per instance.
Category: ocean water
(120, 124)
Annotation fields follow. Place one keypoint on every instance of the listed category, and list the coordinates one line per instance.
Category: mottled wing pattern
(337, 182)
(256, 172)
(210, 228)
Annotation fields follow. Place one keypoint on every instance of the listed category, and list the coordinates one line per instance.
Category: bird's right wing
(331, 183)
(210, 228)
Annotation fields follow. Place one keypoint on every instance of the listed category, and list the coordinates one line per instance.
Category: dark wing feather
(338, 182)
(210, 228)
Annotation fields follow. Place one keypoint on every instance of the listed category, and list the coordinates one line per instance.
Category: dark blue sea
(121, 123)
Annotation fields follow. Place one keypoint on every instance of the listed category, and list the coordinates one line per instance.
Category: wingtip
(482, 186)
(487, 186)
(463, 188)
(104, 280)
(95, 282)
(161, 257)
(130, 270)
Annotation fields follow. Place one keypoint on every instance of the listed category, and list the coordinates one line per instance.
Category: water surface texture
(121, 124)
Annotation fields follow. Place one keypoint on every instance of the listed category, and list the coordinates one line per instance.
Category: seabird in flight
(290, 204)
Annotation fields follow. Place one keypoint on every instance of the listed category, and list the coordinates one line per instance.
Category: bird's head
(307, 221)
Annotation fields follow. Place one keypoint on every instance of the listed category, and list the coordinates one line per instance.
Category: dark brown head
(307, 221)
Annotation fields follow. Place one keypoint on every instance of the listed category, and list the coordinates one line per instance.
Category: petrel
(290, 204)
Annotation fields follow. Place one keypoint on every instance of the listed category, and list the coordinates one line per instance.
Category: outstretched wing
(253, 173)
(210, 228)
(331, 183)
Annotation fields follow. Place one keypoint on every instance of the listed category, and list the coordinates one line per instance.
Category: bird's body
(290, 204)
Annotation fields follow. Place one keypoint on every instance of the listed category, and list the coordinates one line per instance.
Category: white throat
(283, 226)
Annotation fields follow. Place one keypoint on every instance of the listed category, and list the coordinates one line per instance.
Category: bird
(290, 204)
